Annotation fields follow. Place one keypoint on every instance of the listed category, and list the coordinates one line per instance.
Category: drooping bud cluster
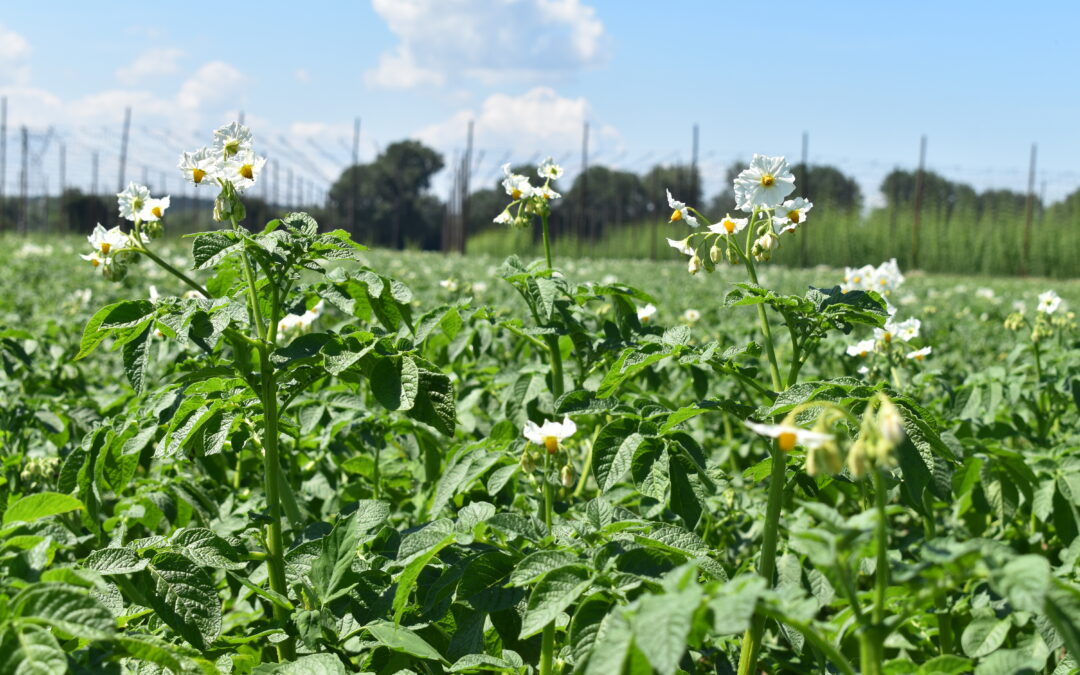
(549, 436)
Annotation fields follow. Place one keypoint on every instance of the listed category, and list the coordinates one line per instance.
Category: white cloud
(538, 122)
(151, 64)
(215, 82)
(490, 41)
(14, 58)
(302, 75)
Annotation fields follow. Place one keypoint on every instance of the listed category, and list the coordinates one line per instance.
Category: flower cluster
(529, 199)
(1048, 320)
(881, 431)
(114, 249)
(760, 190)
(885, 278)
(230, 163)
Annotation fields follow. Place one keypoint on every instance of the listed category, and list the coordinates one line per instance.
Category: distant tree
(611, 198)
(392, 205)
(684, 185)
(82, 211)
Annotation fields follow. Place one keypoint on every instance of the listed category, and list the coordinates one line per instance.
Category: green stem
(547, 239)
(547, 644)
(767, 567)
(814, 638)
(556, 365)
(763, 318)
(376, 478)
(882, 536)
(194, 285)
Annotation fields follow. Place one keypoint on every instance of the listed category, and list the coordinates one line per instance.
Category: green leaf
(136, 353)
(161, 654)
(614, 450)
(984, 636)
(312, 664)
(115, 561)
(1025, 581)
(395, 382)
(212, 247)
(184, 597)
(41, 505)
(435, 403)
(337, 550)
(67, 608)
(407, 579)
(539, 563)
(403, 640)
(26, 649)
(110, 318)
(661, 626)
(553, 595)
(207, 549)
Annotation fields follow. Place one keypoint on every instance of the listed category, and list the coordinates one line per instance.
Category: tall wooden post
(920, 180)
(124, 148)
(1029, 209)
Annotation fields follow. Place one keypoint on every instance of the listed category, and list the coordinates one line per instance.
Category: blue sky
(982, 80)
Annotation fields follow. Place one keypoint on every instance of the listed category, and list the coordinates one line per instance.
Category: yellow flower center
(105, 247)
(729, 225)
(676, 215)
(883, 282)
(856, 280)
(95, 262)
(767, 180)
(156, 211)
(552, 444)
(919, 357)
(516, 194)
(888, 337)
(247, 171)
(786, 439)
(863, 354)
(794, 215)
(197, 175)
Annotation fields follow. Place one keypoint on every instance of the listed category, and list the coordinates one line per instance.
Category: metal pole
(1029, 208)
(805, 191)
(63, 168)
(465, 174)
(94, 173)
(920, 179)
(123, 147)
(24, 191)
(3, 155)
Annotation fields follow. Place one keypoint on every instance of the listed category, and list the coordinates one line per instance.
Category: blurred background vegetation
(606, 212)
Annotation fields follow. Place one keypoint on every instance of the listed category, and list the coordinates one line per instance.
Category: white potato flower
(646, 313)
(503, 218)
(232, 139)
(905, 331)
(550, 433)
(788, 435)
(546, 192)
(1048, 302)
(132, 201)
(920, 354)
(791, 214)
(682, 246)
(729, 225)
(516, 185)
(766, 183)
(691, 316)
(243, 169)
(199, 166)
(550, 170)
(862, 348)
(154, 209)
(680, 212)
(106, 242)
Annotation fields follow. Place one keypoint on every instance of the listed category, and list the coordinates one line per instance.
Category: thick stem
(547, 643)
(763, 318)
(556, 365)
(767, 566)
(882, 536)
(275, 549)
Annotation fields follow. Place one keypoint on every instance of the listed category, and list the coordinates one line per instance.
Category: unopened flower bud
(858, 460)
(694, 266)
(153, 229)
(566, 476)
(824, 459)
(732, 257)
(890, 424)
(715, 254)
(115, 271)
(528, 464)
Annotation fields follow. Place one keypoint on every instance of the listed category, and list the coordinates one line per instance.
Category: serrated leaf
(136, 353)
(207, 549)
(211, 248)
(552, 595)
(184, 597)
(115, 561)
(984, 636)
(26, 649)
(539, 563)
(613, 452)
(67, 608)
